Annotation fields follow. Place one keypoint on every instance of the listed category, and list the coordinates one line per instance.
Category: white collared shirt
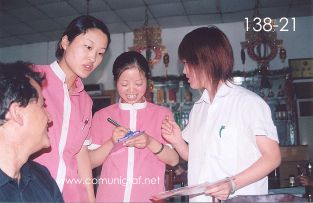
(222, 137)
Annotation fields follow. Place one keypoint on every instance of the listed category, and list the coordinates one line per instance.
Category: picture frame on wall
(301, 67)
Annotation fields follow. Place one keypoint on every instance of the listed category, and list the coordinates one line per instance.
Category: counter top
(297, 191)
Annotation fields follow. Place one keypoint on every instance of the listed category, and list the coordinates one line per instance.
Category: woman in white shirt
(230, 133)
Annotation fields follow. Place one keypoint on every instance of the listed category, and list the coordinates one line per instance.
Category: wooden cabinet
(102, 100)
(291, 157)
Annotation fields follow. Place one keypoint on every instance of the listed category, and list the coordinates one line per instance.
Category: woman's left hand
(141, 141)
(220, 191)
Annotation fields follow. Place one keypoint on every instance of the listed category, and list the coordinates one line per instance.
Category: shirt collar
(4, 178)
(25, 175)
(204, 98)
(136, 106)
(222, 91)
(79, 86)
(58, 71)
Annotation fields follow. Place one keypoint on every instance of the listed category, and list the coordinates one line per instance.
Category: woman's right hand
(171, 131)
(118, 133)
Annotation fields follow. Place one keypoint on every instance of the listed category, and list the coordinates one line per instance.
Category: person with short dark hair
(134, 172)
(80, 51)
(230, 134)
(23, 131)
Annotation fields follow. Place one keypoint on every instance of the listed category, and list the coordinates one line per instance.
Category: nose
(132, 88)
(185, 70)
(92, 56)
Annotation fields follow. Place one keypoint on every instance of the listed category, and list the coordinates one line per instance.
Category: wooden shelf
(294, 153)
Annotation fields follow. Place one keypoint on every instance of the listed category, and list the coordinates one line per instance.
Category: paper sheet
(188, 190)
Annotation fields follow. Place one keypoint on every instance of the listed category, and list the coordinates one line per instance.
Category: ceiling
(31, 21)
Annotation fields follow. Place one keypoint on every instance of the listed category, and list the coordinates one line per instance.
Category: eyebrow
(128, 80)
(105, 48)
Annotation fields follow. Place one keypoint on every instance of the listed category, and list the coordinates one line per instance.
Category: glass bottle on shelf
(160, 96)
(281, 112)
(277, 112)
(187, 95)
(291, 128)
(308, 188)
(177, 117)
(171, 95)
(270, 93)
(180, 91)
(280, 92)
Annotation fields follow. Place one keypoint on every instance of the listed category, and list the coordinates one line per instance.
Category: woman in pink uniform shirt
(136, 171)
(79, 52)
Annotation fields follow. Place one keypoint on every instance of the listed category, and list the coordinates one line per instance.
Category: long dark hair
(78, 26)
(208, 52)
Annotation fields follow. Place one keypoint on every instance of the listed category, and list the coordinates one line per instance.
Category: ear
(15, 113)
(64, 42)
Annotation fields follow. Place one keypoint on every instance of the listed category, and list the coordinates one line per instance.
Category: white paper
(188, 190)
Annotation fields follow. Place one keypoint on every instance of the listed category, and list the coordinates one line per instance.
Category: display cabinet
(175, 93)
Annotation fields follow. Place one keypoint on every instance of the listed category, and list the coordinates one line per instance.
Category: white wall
(299, 44)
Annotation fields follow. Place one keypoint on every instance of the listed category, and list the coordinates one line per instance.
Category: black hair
(15, 85)
(78, 26)
(126, 60)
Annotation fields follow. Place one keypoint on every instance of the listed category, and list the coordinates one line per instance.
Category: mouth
(88, 67)
(131, 96)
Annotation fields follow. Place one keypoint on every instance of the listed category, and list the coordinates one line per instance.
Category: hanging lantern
(148, 41)
(243, 56)
(166, 61)
(282, 54)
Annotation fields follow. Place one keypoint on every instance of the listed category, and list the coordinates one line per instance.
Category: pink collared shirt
(129, 174)
(71, 120)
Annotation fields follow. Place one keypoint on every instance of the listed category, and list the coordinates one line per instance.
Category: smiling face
(84, 53)
(132, 85)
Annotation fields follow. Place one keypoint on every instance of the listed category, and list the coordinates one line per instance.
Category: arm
(166, 155)
(99, 155)
(269, 160)
(85, 172)
(172, 134)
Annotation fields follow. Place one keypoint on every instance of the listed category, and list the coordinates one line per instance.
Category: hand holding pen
(122, 134)
(128, 137)
(118, 132)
